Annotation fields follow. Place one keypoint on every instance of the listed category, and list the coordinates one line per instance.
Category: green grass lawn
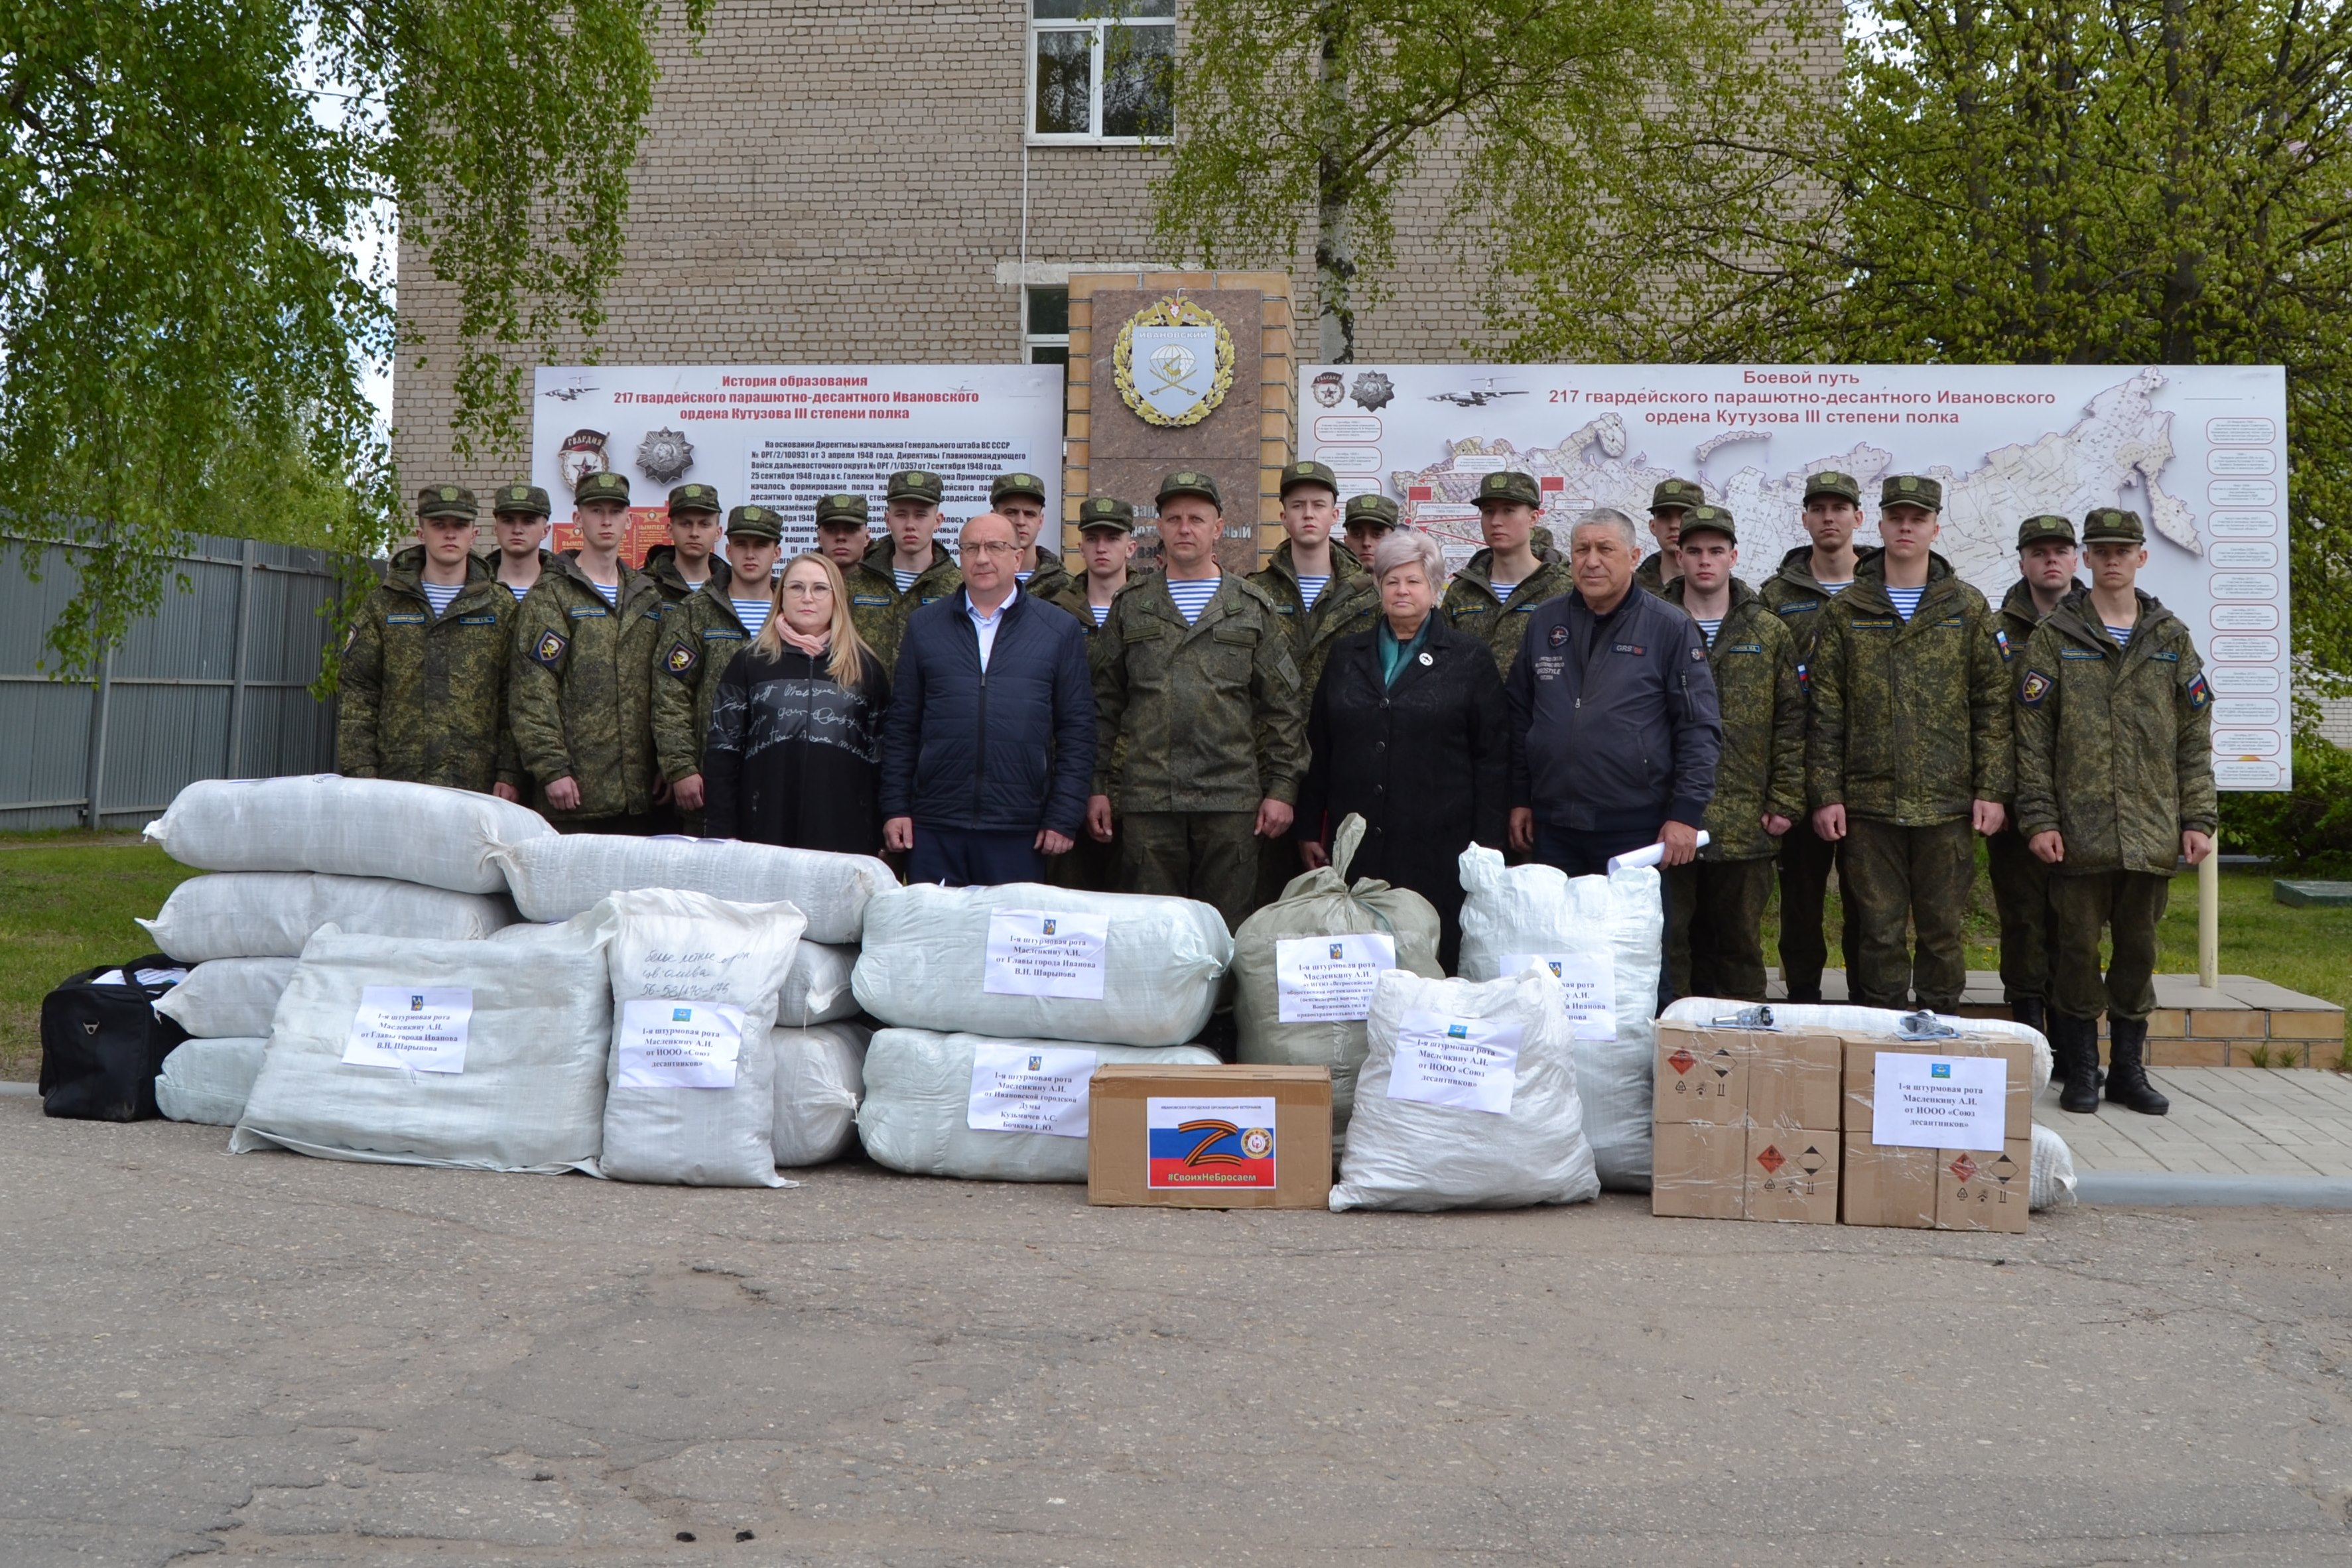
(67, 902)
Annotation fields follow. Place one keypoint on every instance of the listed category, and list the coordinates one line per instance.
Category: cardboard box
(1702, 1075)
(1984, 1191)
(1862, 1066)
(1794, 1081)
(1226, 1137)
(1889, 1186)
(1698, 1170)
(1792, 1176)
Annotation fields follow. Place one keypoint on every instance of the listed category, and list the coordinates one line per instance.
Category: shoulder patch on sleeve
(680, 660)
(1698, 653)
(2033, 688)
(2001, 637)
(550, 649)
(2200, 694)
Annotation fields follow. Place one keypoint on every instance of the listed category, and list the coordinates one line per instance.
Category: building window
(1048, 334)
(1102, 70)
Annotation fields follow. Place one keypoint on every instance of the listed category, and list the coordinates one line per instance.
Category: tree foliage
(189, 322)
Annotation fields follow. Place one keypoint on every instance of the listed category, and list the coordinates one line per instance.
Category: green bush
(2308, 830)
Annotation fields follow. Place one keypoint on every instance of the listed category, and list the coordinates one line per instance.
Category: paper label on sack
(1030, 1088)
(1196, 1142)
(665, 1042)
(1039, 952)
(421, 1028)
(1939, 1103)
(1472, 1063)
(1329, 979)
(1587, 988)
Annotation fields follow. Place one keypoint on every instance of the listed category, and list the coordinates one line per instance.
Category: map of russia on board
(2198, 452)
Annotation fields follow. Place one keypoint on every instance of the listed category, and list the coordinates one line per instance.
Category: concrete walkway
(2285, 1122)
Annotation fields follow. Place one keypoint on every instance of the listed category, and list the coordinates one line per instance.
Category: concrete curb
(29, 1091)
(2198, 1189)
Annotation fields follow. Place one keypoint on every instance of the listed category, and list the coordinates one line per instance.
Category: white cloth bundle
(555, 879)
(271, 914)
(354, 827)
(1513, 914)
(485, 1054)
(2051, 1183)
(209, 1080)
(1467, 1099)
(816, 987)
(228, 998)
(820, 1074)
(1022, 960)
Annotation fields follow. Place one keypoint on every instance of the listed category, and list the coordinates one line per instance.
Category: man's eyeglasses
(988, 547)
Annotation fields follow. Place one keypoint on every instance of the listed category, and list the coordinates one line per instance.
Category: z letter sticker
(549, 649)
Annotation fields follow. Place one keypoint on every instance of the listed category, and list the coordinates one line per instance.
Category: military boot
(2074, 1055)
(2030, 1011)
(2127, 1083)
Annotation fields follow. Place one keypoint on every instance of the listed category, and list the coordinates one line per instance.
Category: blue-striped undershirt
(1192, 596)
(441, 596)
(1906, 600)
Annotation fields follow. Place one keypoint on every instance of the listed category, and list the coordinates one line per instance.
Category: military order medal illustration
(1173, 363)
(664, 456)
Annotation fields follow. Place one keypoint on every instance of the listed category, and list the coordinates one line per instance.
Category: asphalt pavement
(294, 1361)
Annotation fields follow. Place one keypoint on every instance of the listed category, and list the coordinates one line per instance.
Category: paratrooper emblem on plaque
(1173, 363)
(664, 456)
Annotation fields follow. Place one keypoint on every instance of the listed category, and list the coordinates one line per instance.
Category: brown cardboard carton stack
(1745, 1124)
(1940, 1188)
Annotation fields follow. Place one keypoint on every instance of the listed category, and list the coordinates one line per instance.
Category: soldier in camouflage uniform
(578, 692)
(1908, 752)
(2020, 883)
(904, 570)
(519, 519)
(1368, 518)
(690, 562)
(1496, 612)
(1020, 499)
(1671, 501)
(1809, 576)
(1715, 905)
(1107, 543)
(841, 530)
(2114, 779)
(699, 639)
(424, 695)
(1202, 737)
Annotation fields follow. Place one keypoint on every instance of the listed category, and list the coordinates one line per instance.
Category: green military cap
(446, 501)
(1005, 485)
(1829, 483)
(521, 498)
(1702, 519)
(694, 497)
(915, 484)
(1189, 482)
(1371, 511)
(606, 486)
(1106, 511)
(2111, 525)
(841, 508)
(1507, 485)
(754, 522)
(2048, 527)
(1676, 495)
(1308, 474)
(1911, 489)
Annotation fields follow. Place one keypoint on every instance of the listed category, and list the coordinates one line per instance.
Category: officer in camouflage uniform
(578, 694)
(1715, 905)
(1368, 519)
(1809, 576)
(2020, 883)
(1908, 752)
(692, 549)
(1509, 504)
(878, 603)
(1201, 724)
(1671, 501)
(699, 639)
(424, 695)
(841, 530)
(1020, 499)
(2114, 779)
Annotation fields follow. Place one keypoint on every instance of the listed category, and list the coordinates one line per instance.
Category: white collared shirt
(986, 625)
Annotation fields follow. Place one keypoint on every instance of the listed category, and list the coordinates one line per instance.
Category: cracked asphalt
(291, 1361)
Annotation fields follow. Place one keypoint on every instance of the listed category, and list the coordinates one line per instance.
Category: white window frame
(1093, 136)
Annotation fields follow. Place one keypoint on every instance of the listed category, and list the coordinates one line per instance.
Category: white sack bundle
(2050, 1181)
(271, 914)
(820, 1074)
(483, 1055)
(1467, 1099)
(816, 987)
(692, 1096)
(1837, 1018)
(228, 998)
(1022, 960)
(988, 1109)
(555, 879)
(208, 1080)
(354, 827)
(1303, 966)
(1603, 932)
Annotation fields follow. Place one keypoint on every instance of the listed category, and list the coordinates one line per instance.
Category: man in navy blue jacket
(1614, 726)
(989, 748)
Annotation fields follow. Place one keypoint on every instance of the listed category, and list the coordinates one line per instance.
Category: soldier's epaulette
(1255, 592)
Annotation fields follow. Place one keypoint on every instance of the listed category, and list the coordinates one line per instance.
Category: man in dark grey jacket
(1614, 726)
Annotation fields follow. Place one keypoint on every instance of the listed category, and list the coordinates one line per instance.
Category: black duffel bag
(102, 1042)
